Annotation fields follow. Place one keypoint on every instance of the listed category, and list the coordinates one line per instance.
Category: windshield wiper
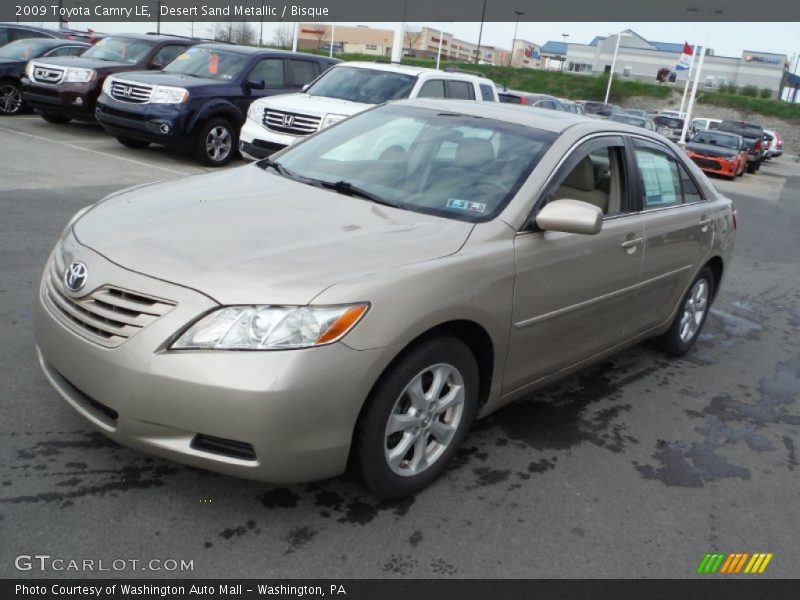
(265, 163)
(348, 189)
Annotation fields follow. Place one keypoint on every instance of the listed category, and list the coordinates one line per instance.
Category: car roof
(412, 70)
(53, 42)
(266, 51)
(538, 118)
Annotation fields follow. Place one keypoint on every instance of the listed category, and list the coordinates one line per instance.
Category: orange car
(718, 152)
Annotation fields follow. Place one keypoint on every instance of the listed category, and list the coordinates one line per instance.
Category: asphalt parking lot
(634, 468)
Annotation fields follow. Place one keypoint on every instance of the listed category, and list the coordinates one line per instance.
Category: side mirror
(256, 85)
(157, 65)
(570, 216)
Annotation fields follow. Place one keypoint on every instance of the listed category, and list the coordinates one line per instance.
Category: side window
(433, 88)
(67, 51)
(487, 93)
(301, 72)
(691, 193)
(660, 178)
(594, 174)
(270, 70)
(3, 36)
(23, 34)
(167, 54)
(460, 90)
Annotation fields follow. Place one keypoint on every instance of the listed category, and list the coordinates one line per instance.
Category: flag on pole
(686, 58)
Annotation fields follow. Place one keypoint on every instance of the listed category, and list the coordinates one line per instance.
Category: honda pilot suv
(347, 89)
(198, 103)
(66, 88)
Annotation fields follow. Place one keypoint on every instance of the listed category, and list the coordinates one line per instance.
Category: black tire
(131, 142)
(751, 167)
(672, 342)
(371, 444)
(11, 99)
(55, 119)
(216, 158)
(758, 164)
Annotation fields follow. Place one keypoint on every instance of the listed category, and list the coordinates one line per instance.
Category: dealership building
(642, 59)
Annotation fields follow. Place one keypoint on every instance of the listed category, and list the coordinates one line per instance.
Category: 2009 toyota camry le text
(362, 296)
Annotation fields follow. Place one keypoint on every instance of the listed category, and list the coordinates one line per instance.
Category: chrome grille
(42, 74)
(107, 316)
(130, 92)
(293, 123)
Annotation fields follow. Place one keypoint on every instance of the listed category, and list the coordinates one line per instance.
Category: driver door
(573, 293)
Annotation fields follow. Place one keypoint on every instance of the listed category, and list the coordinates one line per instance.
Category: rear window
(510, 99)
(744, 130)
(460, 90)
(487, 92)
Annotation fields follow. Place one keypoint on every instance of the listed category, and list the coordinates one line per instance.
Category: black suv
(754, 138)
(66, 88)
(199, 102)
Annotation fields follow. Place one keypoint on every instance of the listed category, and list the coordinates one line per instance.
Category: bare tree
(319, 32)
(412, 35)
(283, 36)
(236, 33)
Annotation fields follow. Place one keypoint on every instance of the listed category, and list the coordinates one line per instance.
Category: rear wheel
(10, 98)
(751, 167)
(55, 119)
(132, 143)
(416, 418)
(216, 143)
(684, 330)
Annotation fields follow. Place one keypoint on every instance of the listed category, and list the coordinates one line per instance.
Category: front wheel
(216, 143)
(416, 418)
(10, 98)
(684, 330)
(131, 142)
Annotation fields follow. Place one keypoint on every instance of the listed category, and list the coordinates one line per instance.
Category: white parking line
(76, 147)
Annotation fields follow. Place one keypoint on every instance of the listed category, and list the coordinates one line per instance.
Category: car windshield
(211, 63)
(119, 49)
(24, 49)
(424, 160)
(671, 122)
(716, 139)
(367, 86)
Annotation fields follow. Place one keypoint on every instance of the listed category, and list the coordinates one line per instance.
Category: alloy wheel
(218, 143)
(694, 310)
(10, 99)
(424, 420)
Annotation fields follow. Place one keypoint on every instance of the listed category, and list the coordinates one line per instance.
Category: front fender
(217, 107)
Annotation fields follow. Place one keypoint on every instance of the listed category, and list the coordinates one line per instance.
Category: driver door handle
(632, 243)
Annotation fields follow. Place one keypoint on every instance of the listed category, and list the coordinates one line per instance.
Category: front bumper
(716, 165)
(158, 124)
(72, 100)
(296, 410)
(257, 142)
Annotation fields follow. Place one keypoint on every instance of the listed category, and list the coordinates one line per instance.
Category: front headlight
(331, 119)
(164, 94)
(255, 112)
(270, 327)
(79, 75)
(107, 86)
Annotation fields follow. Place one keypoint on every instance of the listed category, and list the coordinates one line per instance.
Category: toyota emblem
(75, 276)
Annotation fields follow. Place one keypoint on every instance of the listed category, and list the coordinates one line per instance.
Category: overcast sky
(727, 39)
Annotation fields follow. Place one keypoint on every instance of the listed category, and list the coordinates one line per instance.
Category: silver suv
(345, 90)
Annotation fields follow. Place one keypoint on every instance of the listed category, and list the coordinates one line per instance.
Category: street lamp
(480, 34)
(619, 35)
(519, 13)
(564, 37)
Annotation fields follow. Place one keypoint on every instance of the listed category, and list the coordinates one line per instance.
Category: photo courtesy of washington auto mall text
(381, 299)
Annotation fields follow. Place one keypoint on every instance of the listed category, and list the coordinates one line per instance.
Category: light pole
(613, 65)
(519, 13)
(439, 53)
(564, 37)
(333, 33)
(158, 17)
(480, 34)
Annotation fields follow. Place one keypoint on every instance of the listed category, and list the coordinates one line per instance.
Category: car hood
(247, 236)
(175, 79)
(314, 105)
(82, 61)
(711, 150)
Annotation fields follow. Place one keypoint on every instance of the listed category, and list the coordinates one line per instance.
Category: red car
(718, 152)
